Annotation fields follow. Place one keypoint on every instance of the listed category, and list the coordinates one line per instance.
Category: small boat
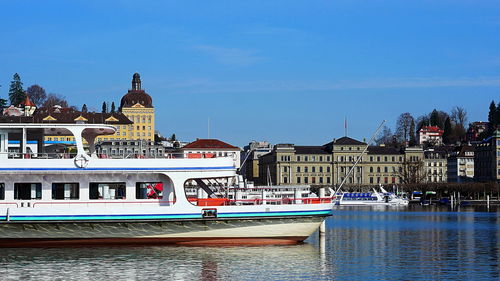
(374, 198)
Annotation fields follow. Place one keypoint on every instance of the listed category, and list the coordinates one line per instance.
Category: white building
(208, 148)
(431, 134)
(461, 165)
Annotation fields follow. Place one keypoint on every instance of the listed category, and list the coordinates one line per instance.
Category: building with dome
(137, 105)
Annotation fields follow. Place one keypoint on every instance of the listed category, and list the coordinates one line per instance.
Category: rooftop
(209, 144)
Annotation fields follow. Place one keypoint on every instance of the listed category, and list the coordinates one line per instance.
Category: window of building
(371, 158)
(371, 179)
(378, 169)
(298, 179)
(321, 158)
(328, 169)
(327, 179)
(65, 191)
(144, 127)
(314, 169)
(306, 158)
(313, 179)
(306, 180)
(107, 190)
(386, 180)
(285, 169)
(320, 179)
(27, 191)
(285, 180)
(298, 169)
(386, 169)
(378, 158)
(393, 180)
(328, 158)
(321, 169)
(393, 158)
(149, 190)
(306, 169)
(298, 158)
(378, 179)
(2, 191)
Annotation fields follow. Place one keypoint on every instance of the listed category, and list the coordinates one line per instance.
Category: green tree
(172, 138)
(434, 118)
(448, 130)
(84, 108)
(3, 103)
(113, 108)
(104, 107)
(16, 92)
(493, 117)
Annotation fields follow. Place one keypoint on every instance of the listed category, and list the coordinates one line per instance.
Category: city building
(330, 164)
(475, 130)
(130, 149)
(431, 134)
(137, 105)
(487, 159)
(436, 164)
(250, 159)
(461, 164)
(207, 148)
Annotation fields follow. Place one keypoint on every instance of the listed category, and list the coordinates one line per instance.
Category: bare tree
(36, 94)
(459, 116)
(385, 137)
(403, 126)
(412, 171)
(55, 99)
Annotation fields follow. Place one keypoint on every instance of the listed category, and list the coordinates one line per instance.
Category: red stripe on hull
(216, 241)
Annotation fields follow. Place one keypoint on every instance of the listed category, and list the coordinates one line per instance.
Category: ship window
(27, 191)
(2, 191)
(65, 191)
(107, 190)
(149, 190)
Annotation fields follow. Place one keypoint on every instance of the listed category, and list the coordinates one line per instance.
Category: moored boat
(82, 198)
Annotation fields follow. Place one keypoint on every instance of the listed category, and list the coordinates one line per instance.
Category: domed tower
(137, 105)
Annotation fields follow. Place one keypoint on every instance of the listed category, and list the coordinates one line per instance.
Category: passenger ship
(82, 198)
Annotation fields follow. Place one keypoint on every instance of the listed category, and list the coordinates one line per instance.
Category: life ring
(81, 160)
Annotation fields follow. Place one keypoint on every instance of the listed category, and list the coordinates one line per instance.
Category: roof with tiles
(209, 144)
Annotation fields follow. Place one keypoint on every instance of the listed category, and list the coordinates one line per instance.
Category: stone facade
(330, 164)
(461, 164)
(487, 159)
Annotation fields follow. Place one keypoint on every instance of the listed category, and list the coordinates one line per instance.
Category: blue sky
(281, 71)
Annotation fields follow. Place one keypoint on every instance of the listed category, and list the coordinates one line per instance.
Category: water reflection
(414, 243)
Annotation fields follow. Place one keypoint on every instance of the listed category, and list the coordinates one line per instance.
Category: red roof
(27, 102)
(431, 129)
(208, 144)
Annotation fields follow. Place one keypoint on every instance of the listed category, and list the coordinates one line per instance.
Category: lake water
(360, 244)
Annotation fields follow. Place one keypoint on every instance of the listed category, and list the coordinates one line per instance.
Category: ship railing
(65, 155)
(259, 201)
(18, 155)
(171, 155)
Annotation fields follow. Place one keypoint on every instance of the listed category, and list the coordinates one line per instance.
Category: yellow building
(137, 105)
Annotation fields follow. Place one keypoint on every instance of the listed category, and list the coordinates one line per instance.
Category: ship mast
(358, 159)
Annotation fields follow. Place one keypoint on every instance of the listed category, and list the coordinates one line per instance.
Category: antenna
(345, 125)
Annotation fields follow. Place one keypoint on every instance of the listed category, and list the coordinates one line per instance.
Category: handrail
(65, 155)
